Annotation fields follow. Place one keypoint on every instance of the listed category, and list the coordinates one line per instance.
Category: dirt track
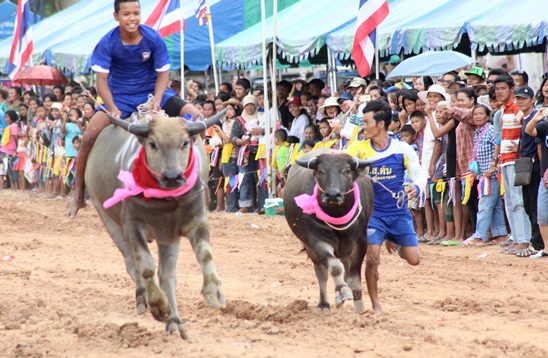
(66, 294)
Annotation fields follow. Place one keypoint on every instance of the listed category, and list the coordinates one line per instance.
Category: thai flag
(166, 17)
(370, 14)
(22, 46)
(202, 12)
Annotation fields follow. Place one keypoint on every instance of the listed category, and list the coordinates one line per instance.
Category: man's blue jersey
(132, 69)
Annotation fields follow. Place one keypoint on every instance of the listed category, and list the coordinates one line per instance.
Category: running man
(131, 62)
(391, 219)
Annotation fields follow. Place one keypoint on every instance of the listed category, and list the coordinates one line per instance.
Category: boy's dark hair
(59, 87)
(281, 135)
(30, 93)
(521, 73)
(308, 143)
(76, 138)
(209, 102)
(408, 129)
(228, 85)
(382, 110)
(223, 96)
(118, 2)
(506, 79)
(323, 120)
(244, 82)
(292, 139)
(497, 72)
(418, 114)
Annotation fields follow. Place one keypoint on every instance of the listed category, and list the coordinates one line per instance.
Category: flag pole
(266, 103)
(377, 58)
(273, 79)
(182, 43)
(212, 44)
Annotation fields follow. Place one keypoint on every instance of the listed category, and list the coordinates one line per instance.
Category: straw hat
(423, 95)
(233, 102)
(329, 102)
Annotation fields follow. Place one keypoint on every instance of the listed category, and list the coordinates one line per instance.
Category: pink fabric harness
(131, 188)
(310, 206)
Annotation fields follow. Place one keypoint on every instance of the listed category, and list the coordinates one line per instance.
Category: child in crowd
(329, 140)
(418, 123)
(279, 159)
(308, 145)
(408, 135)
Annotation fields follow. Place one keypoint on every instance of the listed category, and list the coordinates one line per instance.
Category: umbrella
(431, 63)
(41, 75)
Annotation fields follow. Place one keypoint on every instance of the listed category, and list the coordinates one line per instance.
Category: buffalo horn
(310, 163)
(139, 129)
(200, 126)
(361, 164)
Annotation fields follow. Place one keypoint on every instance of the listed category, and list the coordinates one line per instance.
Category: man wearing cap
(474, 76)
(525, 98)
(508, 129)
(357, 86)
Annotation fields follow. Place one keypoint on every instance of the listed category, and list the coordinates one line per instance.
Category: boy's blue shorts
(398, 229)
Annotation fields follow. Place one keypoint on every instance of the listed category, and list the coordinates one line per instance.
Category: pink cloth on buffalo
(310, 206)
(131, 188)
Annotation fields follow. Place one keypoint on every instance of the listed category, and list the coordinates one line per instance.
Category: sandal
(450, 243)
(525, 252)
(507, 242)
(423, 239)
(435, 241)
(539, 255)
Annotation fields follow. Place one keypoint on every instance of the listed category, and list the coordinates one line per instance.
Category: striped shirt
(511, 133)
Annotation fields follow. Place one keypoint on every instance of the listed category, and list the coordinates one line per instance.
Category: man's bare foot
(76, 203)
(377, 309)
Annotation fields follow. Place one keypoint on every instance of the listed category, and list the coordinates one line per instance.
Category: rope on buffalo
(399, 196)
(342, 228)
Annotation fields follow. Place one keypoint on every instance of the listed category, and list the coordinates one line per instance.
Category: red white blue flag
(22, 45)
(202, 12)
(370, 14)
(166, 17)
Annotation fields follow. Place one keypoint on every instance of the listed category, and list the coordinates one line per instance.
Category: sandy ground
(66, 294)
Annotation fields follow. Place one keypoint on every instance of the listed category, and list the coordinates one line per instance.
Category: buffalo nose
(333, 195)
(171, 174)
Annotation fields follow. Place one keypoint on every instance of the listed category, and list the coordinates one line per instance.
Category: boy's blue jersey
(132, 69)
(390, 168)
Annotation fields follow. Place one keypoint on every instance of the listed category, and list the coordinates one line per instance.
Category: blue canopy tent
(8, 12)
(67, 38)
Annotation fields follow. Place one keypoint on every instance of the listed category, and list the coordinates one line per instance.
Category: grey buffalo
(136, 221)
(340, 249)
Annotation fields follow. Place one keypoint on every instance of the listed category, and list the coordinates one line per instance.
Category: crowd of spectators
(469, 129)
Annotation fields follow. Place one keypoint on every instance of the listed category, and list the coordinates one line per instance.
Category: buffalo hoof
(214, 296)
(342, 294)
(141, 301)
(157, 301)
(175, 327)
(358, 306)
(324, 306)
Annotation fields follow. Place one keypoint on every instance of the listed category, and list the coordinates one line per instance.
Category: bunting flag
(215, 157)
(241, 179)
(166, 17)
(370, 14)
(467, 187)
(422, 199)
(227, 181)
(451, 193)
(241, 155)
(289, 155)
(484, 187)
(501, 182)
(22, 45)
(440, 187)
(233, 183)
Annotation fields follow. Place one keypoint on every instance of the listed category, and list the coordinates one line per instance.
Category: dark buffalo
(338, 250)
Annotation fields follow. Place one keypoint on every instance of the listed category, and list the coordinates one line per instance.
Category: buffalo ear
(358, 164)
(310, 164)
